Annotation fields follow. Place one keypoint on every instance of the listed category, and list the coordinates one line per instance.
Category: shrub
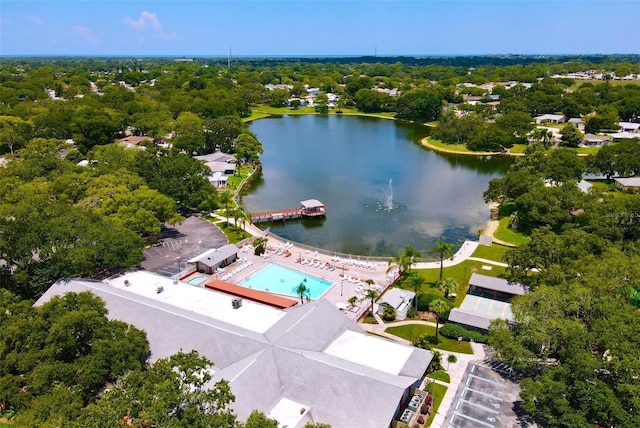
(454, 331)
(424, 299)
(421, 420)
(389, 313)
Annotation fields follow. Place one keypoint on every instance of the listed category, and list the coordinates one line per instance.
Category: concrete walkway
(455, 370)
(461, 255)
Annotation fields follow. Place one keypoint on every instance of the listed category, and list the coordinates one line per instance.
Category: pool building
(308, 363)
(488, 299)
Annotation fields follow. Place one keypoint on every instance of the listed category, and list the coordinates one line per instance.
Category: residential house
(628, 183)
(629, 127)
(219, 162)
(577, 122)
(591, 140)
(550, 118)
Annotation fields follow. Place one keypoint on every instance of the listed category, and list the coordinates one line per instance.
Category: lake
(347, 162)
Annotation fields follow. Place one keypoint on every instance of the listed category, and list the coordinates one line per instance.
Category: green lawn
(440, 375)
(448, 148)
(492, 252)
(460, 273)
(412, 332)
(518, 149)
(506, 233)
(438, 392)
(234, 234)
(241, 174)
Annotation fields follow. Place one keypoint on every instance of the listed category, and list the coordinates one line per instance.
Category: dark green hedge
(454, 331)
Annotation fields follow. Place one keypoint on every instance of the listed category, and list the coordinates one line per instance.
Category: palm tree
(416, 281)
(400, 261)
(447, 286)
(412, 256)
(369, 281)
(514, 220)
(444, 250)
(210, 201)
(371, 294)
(353, 300)
(225, 199)
(303, 291)
(438, 307)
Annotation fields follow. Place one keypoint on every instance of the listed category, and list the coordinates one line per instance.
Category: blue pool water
(197, 280)
(278, 279)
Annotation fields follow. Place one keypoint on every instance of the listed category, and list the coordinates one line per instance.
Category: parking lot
(485, 399)
(180, 243)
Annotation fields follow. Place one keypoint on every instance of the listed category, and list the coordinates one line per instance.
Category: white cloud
(85, 34)
(146, 18)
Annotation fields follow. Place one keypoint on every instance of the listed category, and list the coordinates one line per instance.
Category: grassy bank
(506, 233)
(491, 252)
(262, 111)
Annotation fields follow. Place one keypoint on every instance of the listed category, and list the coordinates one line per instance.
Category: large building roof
(497, 284)
(308, 360)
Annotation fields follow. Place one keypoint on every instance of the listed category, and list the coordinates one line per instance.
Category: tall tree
(438, 307)
(444, 251)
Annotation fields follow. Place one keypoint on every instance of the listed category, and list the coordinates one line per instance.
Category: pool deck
(341, 289)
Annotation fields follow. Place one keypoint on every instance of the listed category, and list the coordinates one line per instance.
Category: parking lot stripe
(480, 406)
(482, 393)
(485, 380)
(478, 421)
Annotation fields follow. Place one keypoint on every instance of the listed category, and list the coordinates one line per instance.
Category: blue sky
(339, 27)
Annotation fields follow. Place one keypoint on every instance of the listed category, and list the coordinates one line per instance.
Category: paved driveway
(180, 243)
(485, 400)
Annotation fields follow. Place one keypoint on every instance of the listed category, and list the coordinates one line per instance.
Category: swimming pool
(278, 279)
(196, 280)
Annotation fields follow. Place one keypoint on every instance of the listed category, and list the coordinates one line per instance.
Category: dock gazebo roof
(312, 203)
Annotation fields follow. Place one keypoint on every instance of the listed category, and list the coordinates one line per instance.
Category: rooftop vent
(159, 289)
(236, 302)
(126, 283)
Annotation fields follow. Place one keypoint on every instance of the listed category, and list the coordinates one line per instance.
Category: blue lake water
(346, 162)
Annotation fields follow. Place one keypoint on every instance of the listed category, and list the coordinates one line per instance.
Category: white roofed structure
(308, 363)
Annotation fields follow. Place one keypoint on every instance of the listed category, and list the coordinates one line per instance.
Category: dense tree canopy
(573, 340)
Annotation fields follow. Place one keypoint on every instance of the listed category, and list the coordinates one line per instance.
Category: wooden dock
(287, 214)
(308, 208)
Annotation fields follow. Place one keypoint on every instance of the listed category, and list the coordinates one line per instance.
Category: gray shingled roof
(287, 361)
(497, 284)
(215, 256)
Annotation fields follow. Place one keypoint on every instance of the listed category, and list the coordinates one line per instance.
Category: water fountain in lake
(388, 196)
